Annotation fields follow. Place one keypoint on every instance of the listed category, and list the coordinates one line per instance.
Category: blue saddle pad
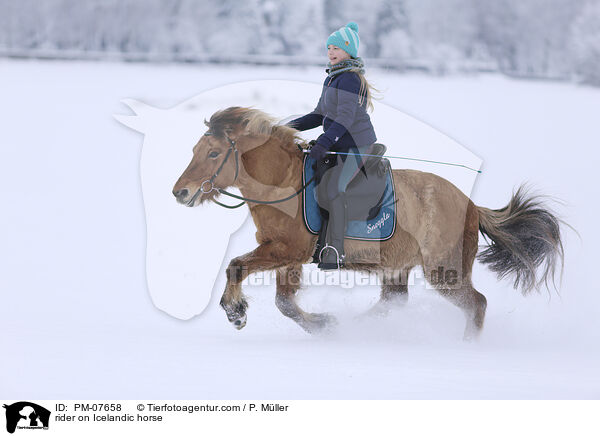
(380, 228)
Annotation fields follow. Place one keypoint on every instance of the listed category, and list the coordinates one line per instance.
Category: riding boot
(332, 255)
(321, 238)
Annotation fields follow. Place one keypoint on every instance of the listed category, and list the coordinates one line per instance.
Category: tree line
(558, 39)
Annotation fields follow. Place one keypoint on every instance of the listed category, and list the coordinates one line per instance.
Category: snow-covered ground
(76, 315)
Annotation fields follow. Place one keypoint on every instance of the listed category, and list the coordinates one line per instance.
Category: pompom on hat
(346, 38)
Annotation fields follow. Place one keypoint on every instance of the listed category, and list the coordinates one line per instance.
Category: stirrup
(340, 259)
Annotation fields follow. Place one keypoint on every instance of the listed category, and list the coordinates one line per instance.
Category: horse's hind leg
(394, 291)
(452, 276)
(288, 282)
(473, 305)
(455, 284)
(394, 287)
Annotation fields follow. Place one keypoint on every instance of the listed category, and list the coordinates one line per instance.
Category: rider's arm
(311, 120)
(306, 122)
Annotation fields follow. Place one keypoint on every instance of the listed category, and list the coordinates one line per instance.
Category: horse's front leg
(267, 256)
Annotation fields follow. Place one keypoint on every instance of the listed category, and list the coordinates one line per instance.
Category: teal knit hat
(346, 38)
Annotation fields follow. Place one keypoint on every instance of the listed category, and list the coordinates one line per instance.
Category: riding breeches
(334, 177)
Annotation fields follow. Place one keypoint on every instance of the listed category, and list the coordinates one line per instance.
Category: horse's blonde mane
(253, 121)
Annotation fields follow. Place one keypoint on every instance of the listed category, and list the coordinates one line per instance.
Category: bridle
(233, 150)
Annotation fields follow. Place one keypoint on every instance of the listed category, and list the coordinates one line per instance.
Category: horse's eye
(214, 154)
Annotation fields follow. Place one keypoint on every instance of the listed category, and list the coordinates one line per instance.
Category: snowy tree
(543, 30)
(292, 28)
(497, 30)
(585, 42)
(442, 33)
(530, 38)
(391, 38)
(234, 29)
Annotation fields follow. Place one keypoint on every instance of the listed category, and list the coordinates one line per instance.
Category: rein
(232, 149)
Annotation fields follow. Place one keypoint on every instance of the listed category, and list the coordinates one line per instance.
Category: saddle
(368, 184)
(364, 192)
(370, 197)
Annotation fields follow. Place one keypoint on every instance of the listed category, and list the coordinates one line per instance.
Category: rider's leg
(322, 233)
(332, 256)
(323, 172)
(347, 167)
(333, 253)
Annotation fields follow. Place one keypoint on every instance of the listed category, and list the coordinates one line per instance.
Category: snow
(76, 314)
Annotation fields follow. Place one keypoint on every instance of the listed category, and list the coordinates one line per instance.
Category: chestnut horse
(437, 225)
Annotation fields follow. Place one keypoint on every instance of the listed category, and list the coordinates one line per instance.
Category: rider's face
(336, 54)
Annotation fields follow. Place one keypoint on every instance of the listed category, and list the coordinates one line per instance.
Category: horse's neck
(268, 168)
(270, 173)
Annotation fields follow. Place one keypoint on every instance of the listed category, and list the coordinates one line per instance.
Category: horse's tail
(524, 236)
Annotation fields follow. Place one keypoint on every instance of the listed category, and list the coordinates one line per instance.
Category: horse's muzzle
(181, 195)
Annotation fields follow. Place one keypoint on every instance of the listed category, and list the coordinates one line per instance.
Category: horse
(437, 225)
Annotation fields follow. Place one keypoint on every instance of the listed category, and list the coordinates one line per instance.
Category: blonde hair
(366, 91)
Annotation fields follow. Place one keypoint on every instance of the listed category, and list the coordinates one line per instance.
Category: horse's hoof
(240, 323)
(236, 313)
(380, 310)
(471, 334)
(320, 323)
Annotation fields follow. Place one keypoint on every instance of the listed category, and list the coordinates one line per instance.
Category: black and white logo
(26, 415)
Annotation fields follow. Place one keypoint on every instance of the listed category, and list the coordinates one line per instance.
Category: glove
(324, 144)
(318, 151)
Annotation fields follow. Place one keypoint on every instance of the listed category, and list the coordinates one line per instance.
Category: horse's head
(217, 160)
(215, 163)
